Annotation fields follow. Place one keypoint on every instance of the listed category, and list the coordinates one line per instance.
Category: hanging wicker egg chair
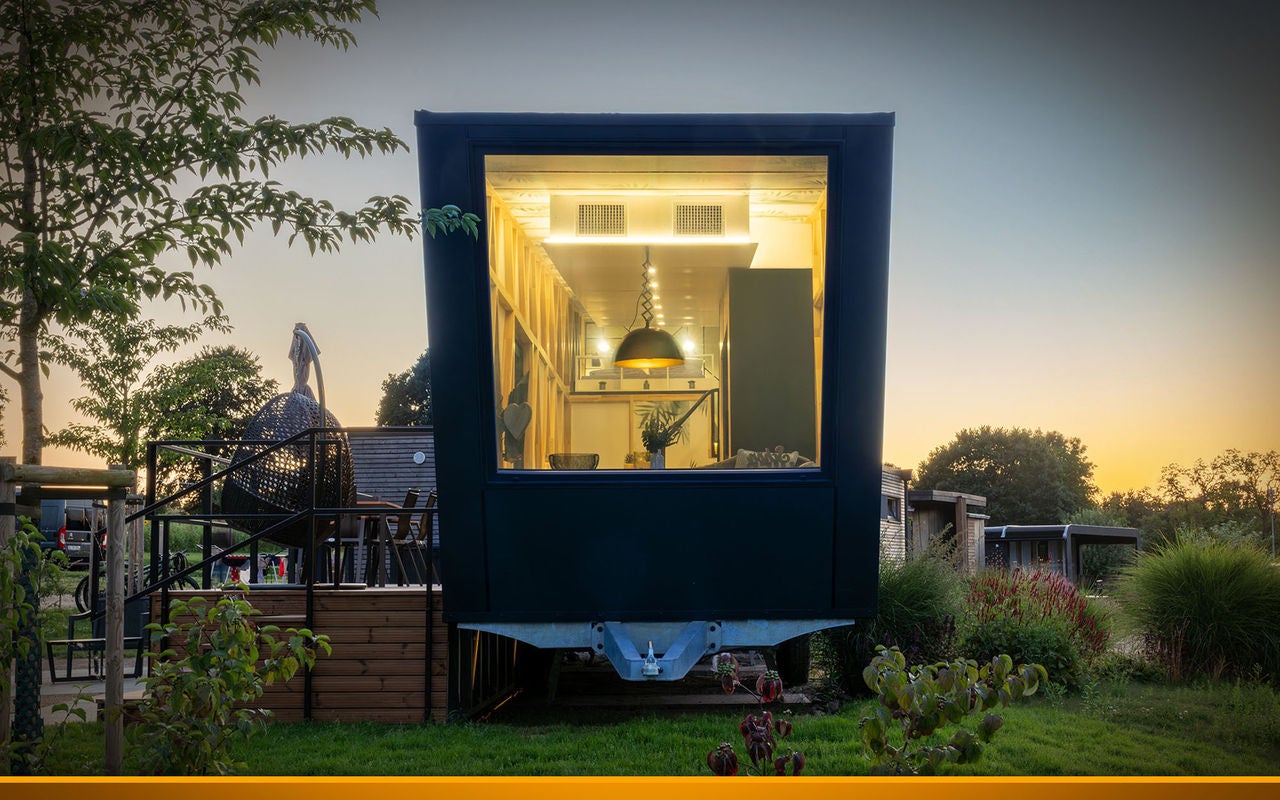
(280, 482)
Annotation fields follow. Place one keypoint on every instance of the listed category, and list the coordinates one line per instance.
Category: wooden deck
(379, 669)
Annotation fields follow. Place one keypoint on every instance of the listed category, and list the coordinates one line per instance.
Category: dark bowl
(574, 460)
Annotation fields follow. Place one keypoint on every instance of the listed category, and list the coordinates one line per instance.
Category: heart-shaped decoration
(516, 417)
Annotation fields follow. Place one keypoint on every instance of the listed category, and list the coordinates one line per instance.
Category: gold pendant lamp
(647, 347)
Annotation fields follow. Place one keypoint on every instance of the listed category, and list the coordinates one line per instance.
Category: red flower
(757, 738)
(760, 748)
(795, 757)
(769, 686)
(722, 760)
(724, 663)
(726, 666)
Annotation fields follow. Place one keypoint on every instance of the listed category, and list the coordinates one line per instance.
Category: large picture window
(657, 311)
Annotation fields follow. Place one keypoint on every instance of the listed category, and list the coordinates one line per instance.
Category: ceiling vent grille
(698, 219)
(602, 219)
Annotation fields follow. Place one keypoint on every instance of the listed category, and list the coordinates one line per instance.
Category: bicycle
(177, 563)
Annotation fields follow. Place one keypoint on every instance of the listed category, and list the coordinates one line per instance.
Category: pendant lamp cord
(646, 292)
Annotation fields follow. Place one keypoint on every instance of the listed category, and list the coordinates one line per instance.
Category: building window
(722, 255)
(892, 508)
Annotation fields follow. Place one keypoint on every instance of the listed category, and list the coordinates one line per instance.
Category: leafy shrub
(1207, 608)
(1233, 533)
(1103, 563)
(197, 703)
(918, 608)
(17, 610)
(1124, 668)
(1035, 617)
(914, 704)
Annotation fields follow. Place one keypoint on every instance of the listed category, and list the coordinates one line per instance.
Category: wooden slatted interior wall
(378, 669)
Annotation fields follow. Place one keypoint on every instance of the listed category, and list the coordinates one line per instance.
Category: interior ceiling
(605, 277)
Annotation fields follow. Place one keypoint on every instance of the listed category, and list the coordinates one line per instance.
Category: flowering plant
(760, 732)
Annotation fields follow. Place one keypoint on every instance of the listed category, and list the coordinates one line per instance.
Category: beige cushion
(770, 459)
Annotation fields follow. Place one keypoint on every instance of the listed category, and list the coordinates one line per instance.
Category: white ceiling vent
(697, 219)
(602, 219)
(650, 217)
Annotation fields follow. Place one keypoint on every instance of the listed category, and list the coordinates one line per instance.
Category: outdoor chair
(347, 537)
(419, 540)
(403, 534)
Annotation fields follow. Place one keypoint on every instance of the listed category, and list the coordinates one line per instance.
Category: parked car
(69, 526)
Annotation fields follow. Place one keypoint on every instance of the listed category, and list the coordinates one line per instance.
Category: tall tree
(1027, 476)
(211, 396)
(406, 397)
(124, 143)
(1233, 487)
(114, 361)
(1136, 508)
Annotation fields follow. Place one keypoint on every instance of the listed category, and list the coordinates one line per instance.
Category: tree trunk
(29, 317)
(29, 382)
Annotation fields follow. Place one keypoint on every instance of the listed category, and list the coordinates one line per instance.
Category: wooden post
(113, 707)
(8, 496)
(12, 473)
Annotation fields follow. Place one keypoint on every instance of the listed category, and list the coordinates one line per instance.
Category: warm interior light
(602, 346)
(648, 239)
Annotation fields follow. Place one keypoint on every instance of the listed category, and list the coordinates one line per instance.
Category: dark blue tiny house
(747, 257)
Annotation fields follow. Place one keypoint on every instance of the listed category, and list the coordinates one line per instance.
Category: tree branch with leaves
(125, 144)
(113, 360)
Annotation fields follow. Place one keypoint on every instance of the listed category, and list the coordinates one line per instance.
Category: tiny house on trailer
(658, 377)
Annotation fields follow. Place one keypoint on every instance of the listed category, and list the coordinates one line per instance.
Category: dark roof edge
(939, 496)
(425, 117)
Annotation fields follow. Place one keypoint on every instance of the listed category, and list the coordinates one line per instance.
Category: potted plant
(661, 425)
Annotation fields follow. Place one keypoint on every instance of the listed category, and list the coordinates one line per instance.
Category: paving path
(70, 692)
(76, 694)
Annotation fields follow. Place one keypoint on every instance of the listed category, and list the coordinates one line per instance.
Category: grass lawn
(1121, 729)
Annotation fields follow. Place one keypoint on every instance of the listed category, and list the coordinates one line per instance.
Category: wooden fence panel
(378, 669)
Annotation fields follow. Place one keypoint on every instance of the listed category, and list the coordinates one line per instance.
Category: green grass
(1127, 729)
(1116, 729)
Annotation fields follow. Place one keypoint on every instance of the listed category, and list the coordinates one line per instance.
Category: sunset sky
(1086, 209)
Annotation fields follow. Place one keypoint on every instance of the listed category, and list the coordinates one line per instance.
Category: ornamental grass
(1207, 608)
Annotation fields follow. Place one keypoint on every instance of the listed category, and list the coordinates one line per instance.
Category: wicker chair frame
(280, 483)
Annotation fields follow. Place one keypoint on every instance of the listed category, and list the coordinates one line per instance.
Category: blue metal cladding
(545, 546)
